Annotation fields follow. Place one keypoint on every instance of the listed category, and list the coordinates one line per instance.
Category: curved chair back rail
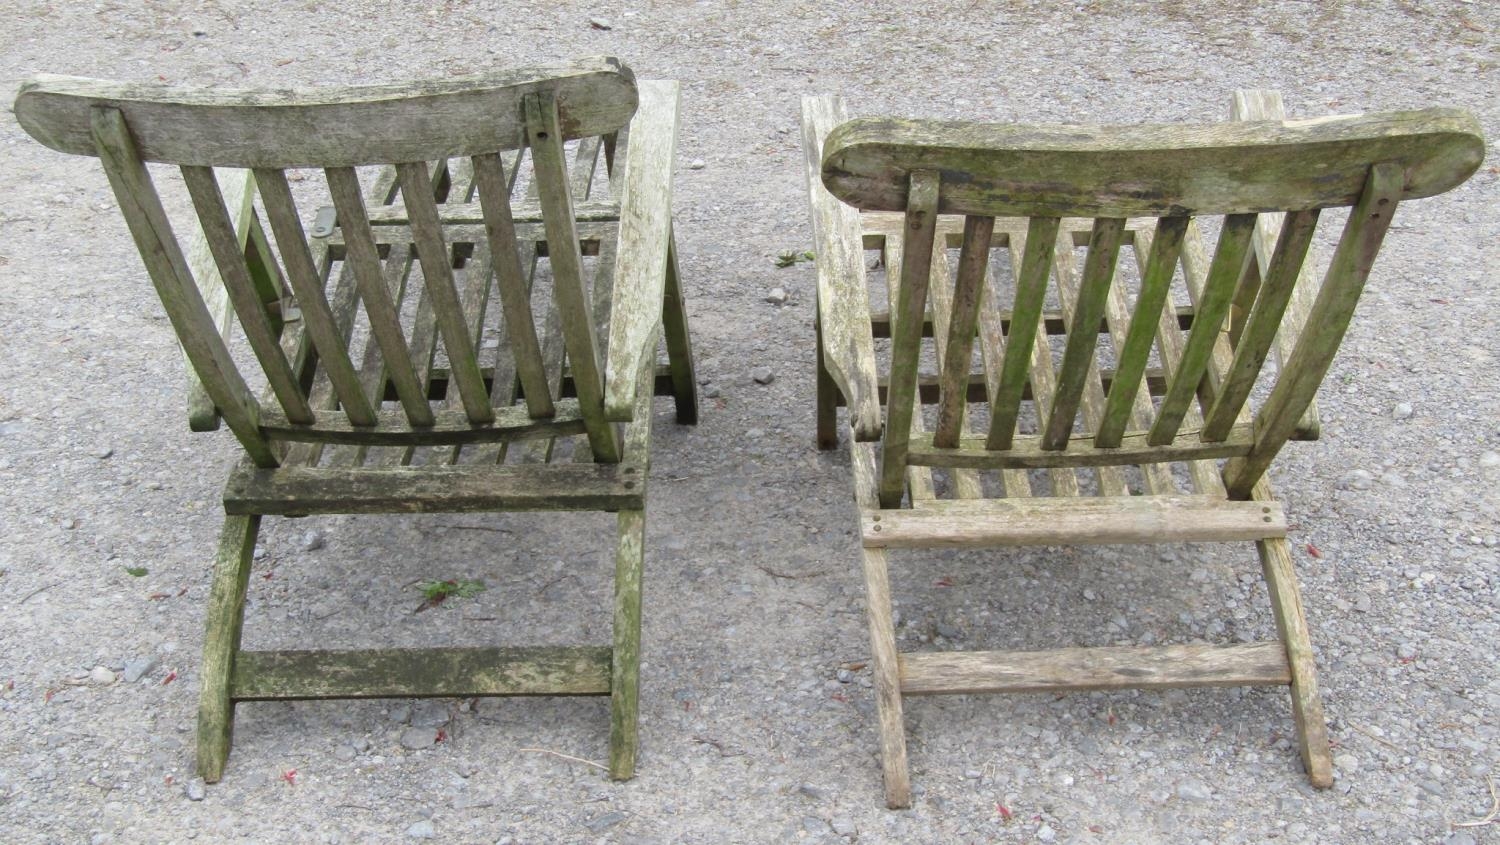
(329, 127)
(1148, 170)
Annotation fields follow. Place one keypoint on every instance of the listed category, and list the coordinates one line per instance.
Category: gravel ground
(755, 728)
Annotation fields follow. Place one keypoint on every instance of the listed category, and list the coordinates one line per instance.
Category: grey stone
(139, 667)
(313, 540)
(601, 23)
(430, 714)
(816, 793)
(345, 753)
(417, 739)
(814, 825)
(1347, 763)
(949, 631)
(103, 453)
(696, 164)
(1407, 651)
(1402, 411)
(195, 790)
(401, 712)
(762, 375)
(421, 830)
(101, 675)
(1045, 833)
(598, 824)
(1193, 790)
(777, 296)
(843, 825)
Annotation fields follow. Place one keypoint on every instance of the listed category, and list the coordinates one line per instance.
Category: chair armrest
(238, 188)
(641, 260)
(843, 299)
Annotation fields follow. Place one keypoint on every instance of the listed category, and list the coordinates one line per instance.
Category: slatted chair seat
(454, 292)
(1036, 387)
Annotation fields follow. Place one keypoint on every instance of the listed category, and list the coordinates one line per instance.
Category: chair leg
(624, 685)
(1307, 706)
(226, 616)
(885, 666)
(828, 433)
(679, 345)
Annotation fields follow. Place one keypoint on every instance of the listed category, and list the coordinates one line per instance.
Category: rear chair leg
(226, 616)
(885, 665)
(624, 682)
(828, 433)
(1307, 707)
(679, 345)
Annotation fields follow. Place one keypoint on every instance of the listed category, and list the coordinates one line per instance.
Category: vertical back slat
(907, 317)
(1261, 326)
(224, 243)
(1083, 329)
(544, 136)
(512, 280)
(1156, 282)
(953, 386)
(1331, 312)
(964, 483)
(164, 261)
(1031, 273)
(327, 339)
(363, 257)
(442, 291)
(918, 478)
(1230, 257)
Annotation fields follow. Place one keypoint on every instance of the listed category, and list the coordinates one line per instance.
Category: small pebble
(139, 668)
(1347, 763)
(601, 23)
(103, 453)
(195, 790)
(762, 375)
(605, 822)
(777, 296)
(1045, 833)
(843, 825)
(345, 753)
(1402, 411)
(1407, 651)
(1193, 790)
(416, 739)
(696, 164)
(814, 825)
(313, 540)
(101, 675)
(421, 830)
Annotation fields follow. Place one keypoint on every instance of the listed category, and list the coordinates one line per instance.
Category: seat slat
(429, 489)
(421, 673)
(1029, 452)
(449, 427)
(1106, 668)
(1089, 520)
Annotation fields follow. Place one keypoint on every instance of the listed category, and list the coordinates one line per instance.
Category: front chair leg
(1291, 624)
(885, 666)
(226, 616)
(624, 684)
(679, 345)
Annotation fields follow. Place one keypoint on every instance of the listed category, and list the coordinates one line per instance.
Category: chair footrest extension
(421, 673)
(1158, 667)
(1071, 522)
(426, 489)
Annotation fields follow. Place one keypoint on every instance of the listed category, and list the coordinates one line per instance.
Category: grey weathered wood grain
(237, 187)
(329, 127)
(421, 673)
(1105, 668)
(1144, 170)
(843, 298)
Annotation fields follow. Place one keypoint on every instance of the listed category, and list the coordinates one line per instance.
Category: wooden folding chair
(475, 225)
(1084, 419)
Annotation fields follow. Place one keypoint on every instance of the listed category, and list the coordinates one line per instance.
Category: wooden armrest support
(645, 232)
(843, 301)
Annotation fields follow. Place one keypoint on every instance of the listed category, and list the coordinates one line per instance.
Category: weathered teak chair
(440, 394)
(1092, 438)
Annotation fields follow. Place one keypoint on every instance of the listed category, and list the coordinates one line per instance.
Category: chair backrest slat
(908, 313)
(224, 243)
(1083, 335)
(1033, 269)
(152, 232)
(1229, 260)
(1331, 313)
(953, 387)
(513, 281)
(306, 282)
(363, 258)
(554, 190)
(1244, 171)
(441, 289)
(1254, 342)
(1156, 281)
